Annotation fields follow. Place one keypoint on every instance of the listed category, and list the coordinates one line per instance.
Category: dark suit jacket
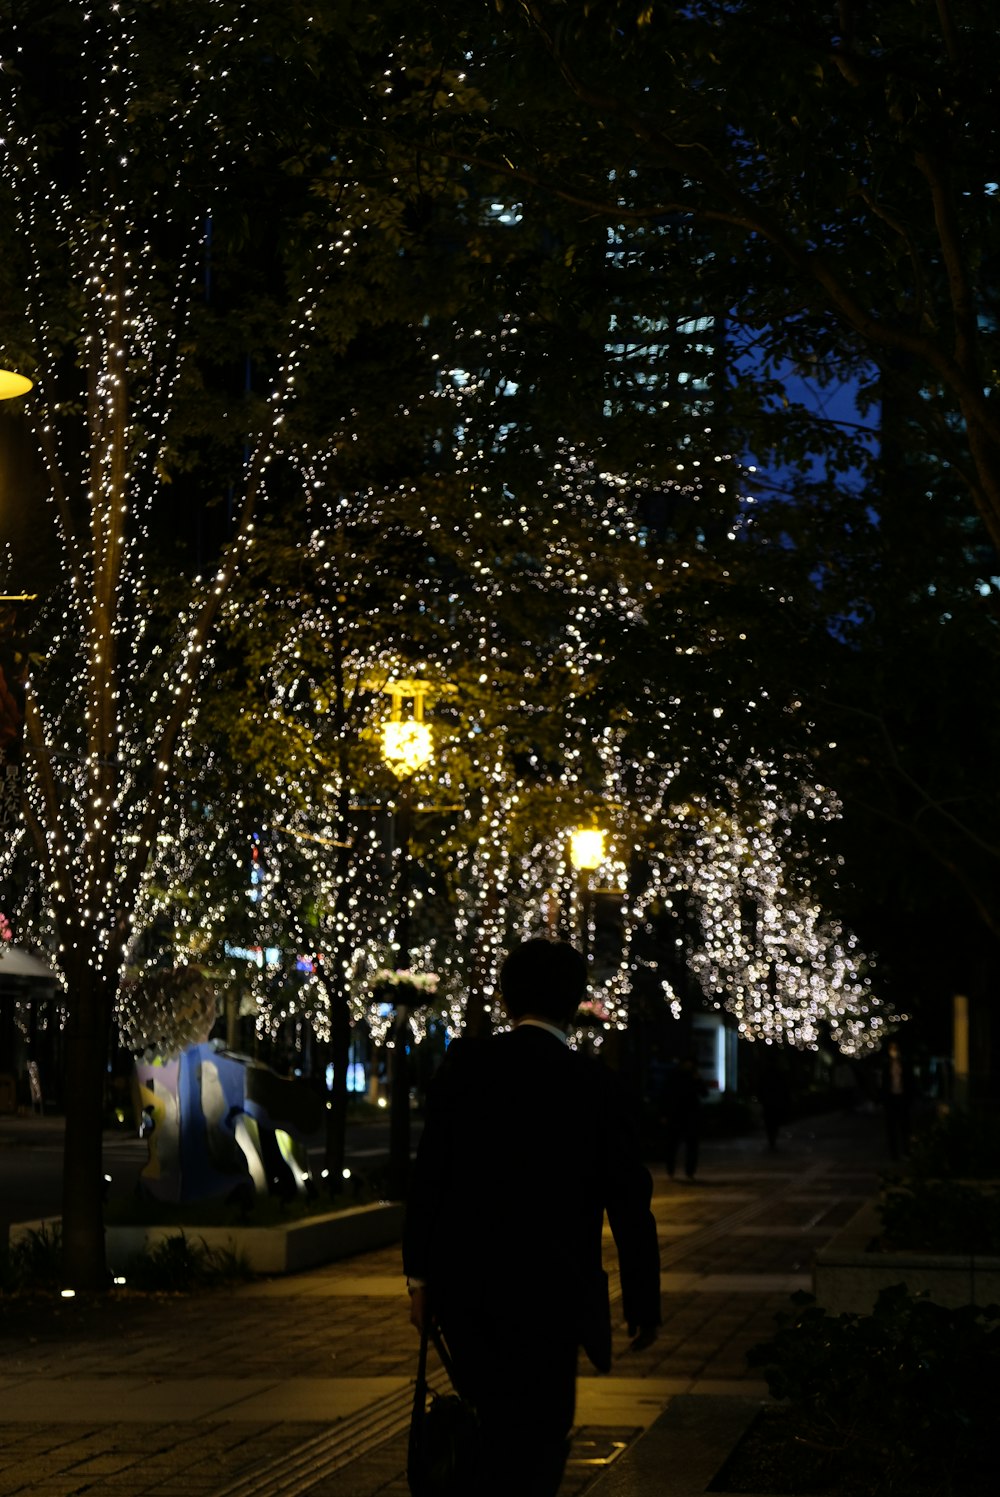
(526, 1145)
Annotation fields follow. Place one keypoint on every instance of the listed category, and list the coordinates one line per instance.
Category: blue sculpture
(222, 1126)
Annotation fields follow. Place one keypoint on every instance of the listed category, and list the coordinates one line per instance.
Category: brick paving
(201, 1394)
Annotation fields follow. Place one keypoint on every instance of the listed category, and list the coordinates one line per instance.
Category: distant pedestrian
(680, 1114)
(897, 1095)
(526, 1144)
(845, 1084)
(773, 1095)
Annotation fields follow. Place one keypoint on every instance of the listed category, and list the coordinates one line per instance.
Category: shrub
(179, 1263)
(33, 1264)
(942, 1216)
(34, 1261)
(957, 1146)
(904, 1398)
(934, 1202)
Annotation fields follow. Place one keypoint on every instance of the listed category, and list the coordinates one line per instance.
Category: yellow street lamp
(586, 852)
(407, 746)
(586, 848)
(407, 743)
(12, 384)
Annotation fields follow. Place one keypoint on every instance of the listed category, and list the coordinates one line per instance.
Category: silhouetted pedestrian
(525, 1146)
(773, 1096)
(897, 1094)
(680, 1114)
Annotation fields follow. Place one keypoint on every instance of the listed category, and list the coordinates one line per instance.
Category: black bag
(594, 1320)
(444, 1433)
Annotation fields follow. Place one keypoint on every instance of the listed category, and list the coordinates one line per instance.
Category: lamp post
(407, 747)
(586, 853)
(12, 385)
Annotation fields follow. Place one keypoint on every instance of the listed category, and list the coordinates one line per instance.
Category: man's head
(544, 978)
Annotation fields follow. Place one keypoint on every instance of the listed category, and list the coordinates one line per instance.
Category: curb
(266, 1250)
(848, 1275)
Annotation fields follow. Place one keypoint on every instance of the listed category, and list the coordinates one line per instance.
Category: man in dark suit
(526, 1144)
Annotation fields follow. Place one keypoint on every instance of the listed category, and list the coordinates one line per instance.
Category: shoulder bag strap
(447, 1362)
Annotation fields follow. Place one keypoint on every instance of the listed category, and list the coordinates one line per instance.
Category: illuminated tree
(840, 226)
(102, 329)
(239, 289)
(509, 605)
(768, 953)
(165, 344)
(734, 879)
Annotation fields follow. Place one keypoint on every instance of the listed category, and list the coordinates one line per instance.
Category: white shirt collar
(560, 1034)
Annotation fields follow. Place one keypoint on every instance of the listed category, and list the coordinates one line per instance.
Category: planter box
(268, 1250)
(847, 1274)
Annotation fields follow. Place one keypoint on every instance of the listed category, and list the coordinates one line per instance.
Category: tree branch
(957, 369)
(985, 914)
(67, 525)
(45, 836)
(929, 803)
(163, 747)
(948, 31)
(600, 207)
(900, 228)
(966, 347)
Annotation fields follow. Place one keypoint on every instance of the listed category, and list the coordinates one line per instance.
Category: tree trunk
(336, 1097)
(84, 1262)
(399, 1105)
(987, 464)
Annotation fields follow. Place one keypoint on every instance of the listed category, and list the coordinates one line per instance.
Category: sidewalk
(303, 1384)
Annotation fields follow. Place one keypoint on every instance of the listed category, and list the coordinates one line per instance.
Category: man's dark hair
(547, 978)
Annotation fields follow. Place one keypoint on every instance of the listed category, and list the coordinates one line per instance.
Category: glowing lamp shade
(12, 384)
(586, 848)
(407, 746)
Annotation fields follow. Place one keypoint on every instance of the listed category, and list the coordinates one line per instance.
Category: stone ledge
(848, 1275)
(268, 1250)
